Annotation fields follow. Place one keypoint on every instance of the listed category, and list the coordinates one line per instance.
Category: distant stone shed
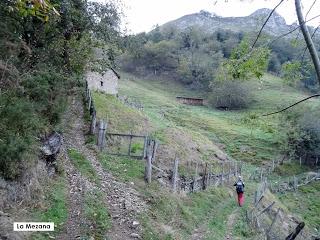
(106, 82)
(190, 101)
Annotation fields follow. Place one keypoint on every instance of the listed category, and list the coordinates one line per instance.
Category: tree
(308, 39)
(291, 72)
(244, 63)
(39, 8)
(161, 56)
(312, 51)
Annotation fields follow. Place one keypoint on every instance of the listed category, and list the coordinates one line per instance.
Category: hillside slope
(197, 134)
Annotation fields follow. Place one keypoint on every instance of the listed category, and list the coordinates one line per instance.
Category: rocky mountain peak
(210, 22)
(264, 13)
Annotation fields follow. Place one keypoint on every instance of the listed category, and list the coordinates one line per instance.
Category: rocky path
(198, 233)
(123, 202)
(230, 223)
(76, 183)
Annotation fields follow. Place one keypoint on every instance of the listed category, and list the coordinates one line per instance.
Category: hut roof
(189, 98)
(114, 71)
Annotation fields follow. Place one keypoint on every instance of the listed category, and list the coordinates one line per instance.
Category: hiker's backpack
(239, 187)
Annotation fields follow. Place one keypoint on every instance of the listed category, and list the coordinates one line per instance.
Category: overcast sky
(142, 15)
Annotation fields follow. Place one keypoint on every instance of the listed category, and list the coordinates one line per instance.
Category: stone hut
(191, 101)
(106, 82)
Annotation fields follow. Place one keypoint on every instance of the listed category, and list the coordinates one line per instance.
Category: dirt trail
(77, 184)
(231, 221)
(199, 233)
(123, 202)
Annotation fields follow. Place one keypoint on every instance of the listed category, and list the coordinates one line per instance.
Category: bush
(302, 129)
(26, 112)
(18, 124)
(230, 95)
(47, 89)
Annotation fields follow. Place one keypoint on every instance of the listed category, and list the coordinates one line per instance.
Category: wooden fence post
(102, 135)
(130, 143)
(300, 160)
(266, 209)
(196, 174)
(295, 183)
(255, 200)
(205, 177)
(221, 174)
(272, 165)
(154, 151)
(92, 108)
(93, 123)
(87, 91)
(175, 175)
(145, 146)
(148, 169)
(273, 221)
(193, 183)
(89, 101)
(209, 175)
(295, 232)
(229, 172)
(103, 142)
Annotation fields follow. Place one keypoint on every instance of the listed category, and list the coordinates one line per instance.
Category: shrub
(18, 124)
(302, 129)
(36, 106)
(47, 89)
(230, 95)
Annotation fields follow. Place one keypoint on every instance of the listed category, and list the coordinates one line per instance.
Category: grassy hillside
(304, 203)
(246, 135)
(196, 133)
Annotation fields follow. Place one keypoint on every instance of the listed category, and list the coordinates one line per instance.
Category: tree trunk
(307, 38)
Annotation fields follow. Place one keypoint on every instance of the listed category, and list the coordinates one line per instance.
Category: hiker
(240, 189)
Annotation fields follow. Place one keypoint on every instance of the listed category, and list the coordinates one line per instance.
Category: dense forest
(45, 48)
(192, 56)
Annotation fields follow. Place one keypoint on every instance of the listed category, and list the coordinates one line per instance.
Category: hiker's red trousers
(240, 199)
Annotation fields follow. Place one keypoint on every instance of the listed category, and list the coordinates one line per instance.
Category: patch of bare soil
(199, 233)
(230, 223)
